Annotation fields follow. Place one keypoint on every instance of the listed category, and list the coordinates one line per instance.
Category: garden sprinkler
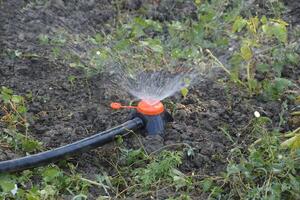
(153, 114)
(150, 115)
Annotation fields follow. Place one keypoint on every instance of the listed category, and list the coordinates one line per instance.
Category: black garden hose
(76, 147)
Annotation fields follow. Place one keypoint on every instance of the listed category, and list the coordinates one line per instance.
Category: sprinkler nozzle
(117, 106)
(152, 113)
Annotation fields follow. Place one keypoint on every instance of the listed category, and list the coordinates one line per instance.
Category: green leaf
(72, 78)
(56, 51)
(5, 98)
(262, 67)
(140, 21)
(30, 145)
(293, 58)
(232, 169)
(176, 25)
(216, 191)
(246, 52)
(119, 139)
(122, 45)
(277, 29)
(7, 185)
(50, 174)
(43, 39)
(16, 99)
(184, 92)
(98, 38)
(256, 158)
(238, 24)
(198, 2)
(292, 143)
(48, 191)
(156, 48)
(177, 53)
(21, 109)
(267, 29)
(295, 182)
(6, 90)
(153, 44)
(137, 32)
(154, 24)
(206, 184)
(281, 84)
(33, 194)
(252, 24)
(134, 156)
(278, 67)
(264, 19)
(274, 90)
(280, 32)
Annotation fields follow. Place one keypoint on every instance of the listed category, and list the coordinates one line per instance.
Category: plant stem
(218, 61)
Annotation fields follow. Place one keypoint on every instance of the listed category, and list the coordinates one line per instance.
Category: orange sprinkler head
(151, 112)
(146, 108)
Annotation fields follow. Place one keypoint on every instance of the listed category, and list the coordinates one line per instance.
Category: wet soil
(62, 112)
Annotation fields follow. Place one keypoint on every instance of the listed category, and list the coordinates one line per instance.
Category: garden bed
(65, 105)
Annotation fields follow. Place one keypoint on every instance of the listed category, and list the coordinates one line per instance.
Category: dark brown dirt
(62, 112)
(293, 11)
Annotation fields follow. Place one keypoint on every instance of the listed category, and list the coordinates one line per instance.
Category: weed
(294, 140)
(273, 90)
(161, 168)
(258, 32)
(266, 171)
(72, 79)
(14, 109)
(53, 181)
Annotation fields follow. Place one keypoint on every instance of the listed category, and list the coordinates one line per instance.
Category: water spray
(148, 115)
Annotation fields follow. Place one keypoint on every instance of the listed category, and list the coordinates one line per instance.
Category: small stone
(256, 114)
(180, 106)
(21, 36)
(214, 104)
(180, 115)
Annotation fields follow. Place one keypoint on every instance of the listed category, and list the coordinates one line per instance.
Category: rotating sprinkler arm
(117, 106)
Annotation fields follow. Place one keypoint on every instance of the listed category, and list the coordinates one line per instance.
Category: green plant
(264, 171)
(14, 109)
(161, 168)
(19, 142)
(259, 34)
(274, 89)
(52, 183)
(15, 116)
(294, 140)
(13, 54)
